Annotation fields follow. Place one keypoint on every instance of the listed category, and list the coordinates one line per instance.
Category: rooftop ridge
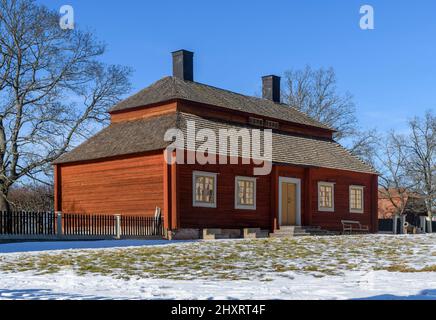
(284, 105)
(169, 88)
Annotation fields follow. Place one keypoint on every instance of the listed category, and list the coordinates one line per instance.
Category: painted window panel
(356, 199)
(204, 189)
(326, 196)
(245, 193)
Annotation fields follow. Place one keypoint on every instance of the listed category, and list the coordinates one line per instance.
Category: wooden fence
(27, 223)
(73, 226)
(88, 225)
(141, 226)
(387, 225)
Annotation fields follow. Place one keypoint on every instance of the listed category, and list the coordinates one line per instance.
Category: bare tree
(315, 93)
(31, 197)
(53, 90)
(392, 166)
(420, 157)
(364, 144)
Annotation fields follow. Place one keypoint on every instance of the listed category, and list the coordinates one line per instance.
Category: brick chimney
(183, 65)
(271, 88)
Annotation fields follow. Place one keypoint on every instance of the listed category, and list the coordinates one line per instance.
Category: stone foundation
(233, 233)
(216, 233)
(248, 233)
(184, 234)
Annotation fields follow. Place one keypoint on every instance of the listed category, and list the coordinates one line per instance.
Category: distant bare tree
(407, 163)
(420, 157)
(33, 197)
(53, 90)
(364, 144)
(392, 166)
(315, 93)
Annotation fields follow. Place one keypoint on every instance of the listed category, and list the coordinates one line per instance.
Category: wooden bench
(353, 226)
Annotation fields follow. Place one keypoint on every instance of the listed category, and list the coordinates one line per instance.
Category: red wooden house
(313, 182)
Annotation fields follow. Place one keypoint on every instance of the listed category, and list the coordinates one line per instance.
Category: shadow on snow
(428, 294)
(71, 245)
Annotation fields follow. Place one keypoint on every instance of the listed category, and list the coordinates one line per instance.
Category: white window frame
(197, 204)
(245, 207)
(362, 188)
(326, 184)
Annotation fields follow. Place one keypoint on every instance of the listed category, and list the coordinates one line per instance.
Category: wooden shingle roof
(123, 138)
(171, 88)
(146, 135)
(289, 148)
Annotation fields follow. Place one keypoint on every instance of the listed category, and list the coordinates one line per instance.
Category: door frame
(297, 182)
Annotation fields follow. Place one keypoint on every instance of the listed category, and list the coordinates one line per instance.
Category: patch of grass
(408, 269)
(239, 260)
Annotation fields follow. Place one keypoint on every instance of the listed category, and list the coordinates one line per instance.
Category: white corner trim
(245, 207)
(298, 183)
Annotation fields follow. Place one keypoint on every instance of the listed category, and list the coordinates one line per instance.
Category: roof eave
(108, 158)
(150, 105)
(111, 112)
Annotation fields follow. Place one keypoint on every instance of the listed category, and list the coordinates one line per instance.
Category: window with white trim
(326, 196)
(245, 193)
(356, 199)
(204, 189)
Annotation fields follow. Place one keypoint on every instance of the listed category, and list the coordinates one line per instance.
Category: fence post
(59, 224)
(429, 224)
(403, 221)
(395, 224)
(117, 226)
(423, 222)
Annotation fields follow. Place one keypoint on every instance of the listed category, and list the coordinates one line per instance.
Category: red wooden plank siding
(266, 215)
(175, 196)
(135, 185)
(307, 197)
(130, 186)
(166, 210)
(274, 194)
(342, 180)
(57, 188)
(144, 112)
(374, 202)
(225, 215)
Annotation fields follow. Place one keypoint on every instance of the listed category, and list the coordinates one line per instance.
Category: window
(245, 193)
(271, 124)
(204, 189)
(356, 199)
(256, 122)
(326, 196)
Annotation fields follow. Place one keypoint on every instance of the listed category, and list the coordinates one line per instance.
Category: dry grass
(240, 260)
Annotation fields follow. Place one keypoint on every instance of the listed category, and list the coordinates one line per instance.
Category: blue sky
(390, 70)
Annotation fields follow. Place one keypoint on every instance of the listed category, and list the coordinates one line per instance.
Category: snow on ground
(353, 285)
(358, 267)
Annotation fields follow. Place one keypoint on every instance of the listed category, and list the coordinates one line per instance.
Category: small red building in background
(393, 202)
